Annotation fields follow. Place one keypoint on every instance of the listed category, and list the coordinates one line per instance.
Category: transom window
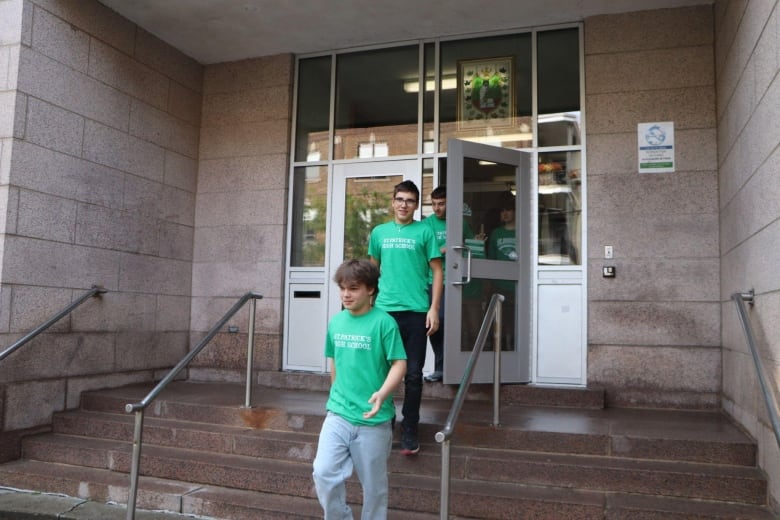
(408, 100)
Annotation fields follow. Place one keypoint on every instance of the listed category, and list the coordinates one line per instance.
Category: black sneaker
(409, 444)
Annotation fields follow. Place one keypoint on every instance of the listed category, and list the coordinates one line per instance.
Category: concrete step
(198, 436)
(541, 462)
(107, 493)
(582, 398)
(678, 479)
(96, 484)
(271, 443)
(642, 507)
(649, 434)
(18, 504)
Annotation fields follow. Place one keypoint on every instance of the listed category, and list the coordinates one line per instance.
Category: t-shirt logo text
(355, 341)
(398, 243)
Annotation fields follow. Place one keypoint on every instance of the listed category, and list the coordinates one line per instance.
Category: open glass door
(491, 188)
(361, 199)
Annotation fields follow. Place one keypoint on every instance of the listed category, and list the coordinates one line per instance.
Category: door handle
(468, 264)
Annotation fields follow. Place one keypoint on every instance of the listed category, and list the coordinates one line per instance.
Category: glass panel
(313, 112)
(560, 209)
(558, 73)
(376, 104)
(559, 129)
(488, 197)
(476, 297)
(428, 184)
(368, 204)
(485, 91)
(429, 125)
(310, 192)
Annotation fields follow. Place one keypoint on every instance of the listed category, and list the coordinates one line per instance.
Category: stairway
(205, 455)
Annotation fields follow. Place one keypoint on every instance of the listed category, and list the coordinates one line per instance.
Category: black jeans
(437, 338)
(412, 327)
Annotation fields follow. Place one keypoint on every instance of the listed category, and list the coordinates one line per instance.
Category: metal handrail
(140, 406)
(493, 313)
(770, 398)
(96, 290)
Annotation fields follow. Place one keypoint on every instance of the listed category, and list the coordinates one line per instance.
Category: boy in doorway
(502, 245)
(405, 250)
(438, 223)
(367, 363)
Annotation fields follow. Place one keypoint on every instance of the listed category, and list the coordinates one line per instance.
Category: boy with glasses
(405, 251)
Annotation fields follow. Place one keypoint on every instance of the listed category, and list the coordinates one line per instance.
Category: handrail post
(250, 353)
(444, 511)
(135, 464)
(141, 405)
(443, 436)
(497, 334)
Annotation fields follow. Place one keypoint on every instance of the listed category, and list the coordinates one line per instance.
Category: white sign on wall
(655, 147)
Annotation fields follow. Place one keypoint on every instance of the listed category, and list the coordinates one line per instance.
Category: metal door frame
(517, 367)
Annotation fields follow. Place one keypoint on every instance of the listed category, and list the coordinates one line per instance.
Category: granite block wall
(241, 209)
(99, 129)
(747, 62)
(654, 330)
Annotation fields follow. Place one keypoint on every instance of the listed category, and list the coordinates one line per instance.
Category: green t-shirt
(363, 348)
(502, 244)
(439, 227)
(404, 253)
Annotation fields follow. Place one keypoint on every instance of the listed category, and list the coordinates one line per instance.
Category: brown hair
(360, 271)
(407, 186)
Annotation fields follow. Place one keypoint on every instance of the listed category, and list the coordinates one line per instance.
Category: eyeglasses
(405, 202)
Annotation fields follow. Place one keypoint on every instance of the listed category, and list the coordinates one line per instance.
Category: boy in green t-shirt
(367, 362)
(437, 221)
(502, 245)
(405, 250)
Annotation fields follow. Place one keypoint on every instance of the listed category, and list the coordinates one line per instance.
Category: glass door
(489, 253)
(361, 199)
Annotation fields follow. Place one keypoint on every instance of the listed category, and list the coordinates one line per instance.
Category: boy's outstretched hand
(375, 400)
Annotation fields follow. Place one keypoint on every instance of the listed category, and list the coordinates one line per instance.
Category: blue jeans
(412, 327)
(342, 447)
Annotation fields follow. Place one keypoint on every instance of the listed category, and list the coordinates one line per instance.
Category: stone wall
(99, 173)
(654, 330)
(241, 210)
(747, 57)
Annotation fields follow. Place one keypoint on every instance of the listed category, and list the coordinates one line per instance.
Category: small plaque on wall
(655, 148)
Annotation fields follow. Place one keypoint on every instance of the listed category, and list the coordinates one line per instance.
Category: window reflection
(309, 216)
(376, 116)
(368, 202)
(560, 208)
(515, 131)
(376, 110)
(313, 115)
(558, 71)
(476, 297)
(559, 129)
